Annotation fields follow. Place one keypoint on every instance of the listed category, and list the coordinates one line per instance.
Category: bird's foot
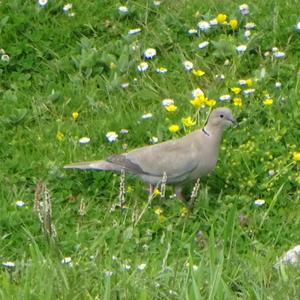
(179, 193)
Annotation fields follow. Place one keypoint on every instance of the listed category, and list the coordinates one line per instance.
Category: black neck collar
(205, 131)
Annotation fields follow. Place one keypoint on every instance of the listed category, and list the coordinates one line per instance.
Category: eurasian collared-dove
(181, 160)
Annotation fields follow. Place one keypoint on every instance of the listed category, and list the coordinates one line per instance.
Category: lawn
(82, 81)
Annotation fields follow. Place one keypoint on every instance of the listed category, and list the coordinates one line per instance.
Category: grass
(60, 64)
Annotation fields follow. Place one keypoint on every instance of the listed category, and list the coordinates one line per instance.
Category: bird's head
(221, 118)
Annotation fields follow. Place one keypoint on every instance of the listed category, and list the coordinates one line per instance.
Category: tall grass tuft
(43, 209)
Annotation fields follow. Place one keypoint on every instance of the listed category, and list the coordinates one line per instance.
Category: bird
(180, 160)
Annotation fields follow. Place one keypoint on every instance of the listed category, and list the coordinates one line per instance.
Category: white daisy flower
(227, 62)
(114, 258)
(124, 131)
(167, 102)
(141, 267)
(195, 268)
(161, 70)
(2, 51)
(271, 173)
(224, 97)
(66, 261)
(84, 140)
(297, 27)
(111, 136)
(242, 82)
(213, 22)
(147, 116)
(143, 66)
(107, 273)
(171, 292)
(153, 140)
(241, 49)
(67, 7)
(220, 77)
(259, 202)
(20, 203)
(135, 47)
(157, 3)
(126, 267)
(188, 65)
(247, 34)
(250, 26)
(197, 92)
(244, 9)
(43, 2)
(278, 84)
(123, 9)
(192, 31)
(275, 49)
(279, 54)
(125, 85)
(9, 264)
(134, 31)
(5, 57)
(248, 91)
(203, 45)
(150, 53)
(203, 26)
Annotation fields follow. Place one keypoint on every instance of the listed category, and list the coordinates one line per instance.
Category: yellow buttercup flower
(236, 90)
(237, 101)
(198, 101)
(130, 189)
(296, 156)
(249, 82)
(183, 211)
(112, 66)
(210, 102)
(233, 24)
(221, 18)
(171, 108)
(174, 128)
(188, 122)
(60, 136)
(198, 72)
(268, 101)
(156, 192)
(75, 115)
(158, 211)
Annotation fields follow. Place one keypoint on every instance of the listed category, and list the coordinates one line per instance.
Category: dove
(179, 160)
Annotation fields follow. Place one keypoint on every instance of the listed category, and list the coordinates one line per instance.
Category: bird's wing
(176, 158)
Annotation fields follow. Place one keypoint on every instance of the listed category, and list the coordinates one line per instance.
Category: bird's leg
(178, 192)
(151, 189)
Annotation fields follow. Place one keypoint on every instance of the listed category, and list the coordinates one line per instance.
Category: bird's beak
(233, 121)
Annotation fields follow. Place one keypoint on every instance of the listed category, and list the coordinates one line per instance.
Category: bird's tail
(94, 165)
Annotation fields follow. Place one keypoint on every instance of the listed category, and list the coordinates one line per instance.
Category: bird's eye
(221, 116)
